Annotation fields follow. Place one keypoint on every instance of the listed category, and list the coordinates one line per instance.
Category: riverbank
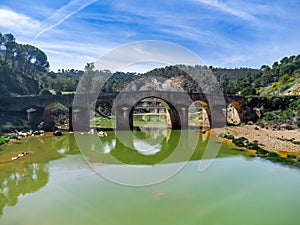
(279, 141)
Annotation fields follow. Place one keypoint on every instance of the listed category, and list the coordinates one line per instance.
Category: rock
(37, 132)
(57, 133)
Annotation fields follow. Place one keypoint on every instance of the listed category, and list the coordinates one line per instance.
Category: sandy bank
(268, 139)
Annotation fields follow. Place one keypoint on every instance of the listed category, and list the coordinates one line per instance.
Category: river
(150, 177)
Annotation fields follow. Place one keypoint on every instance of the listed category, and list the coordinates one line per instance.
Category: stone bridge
(38, 108)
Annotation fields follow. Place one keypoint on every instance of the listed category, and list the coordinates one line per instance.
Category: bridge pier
(34, 117)
(179, 117)
(124, 117)
(80, 120)
(70, 119)
(217, 117)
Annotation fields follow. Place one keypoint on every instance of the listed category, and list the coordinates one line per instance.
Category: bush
(229, 136)
(222, 135)
(291, 156)
(253, 145)
(285, 79)
(261, 151)
(273, 154)
(2, 141)
(275, 85)
(239, 142)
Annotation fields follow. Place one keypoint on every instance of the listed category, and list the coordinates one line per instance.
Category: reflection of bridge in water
(37, 109)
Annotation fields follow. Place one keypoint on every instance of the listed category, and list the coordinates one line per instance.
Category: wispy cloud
(73, 7)
(13, 21)
(225, 8)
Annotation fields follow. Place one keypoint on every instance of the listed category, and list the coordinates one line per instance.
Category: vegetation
(280, 77)
(24, 70)
(3, 140)
(21, 66)
(272, 156)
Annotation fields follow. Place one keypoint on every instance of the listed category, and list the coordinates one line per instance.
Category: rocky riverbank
(276, 141)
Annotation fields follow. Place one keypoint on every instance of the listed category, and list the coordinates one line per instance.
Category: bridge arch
(171, 112)
(56, 112)
(234, 112)
(176, 105)
(166, 108)
(203, 119)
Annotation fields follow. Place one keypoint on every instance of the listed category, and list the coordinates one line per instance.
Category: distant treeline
(24, 70)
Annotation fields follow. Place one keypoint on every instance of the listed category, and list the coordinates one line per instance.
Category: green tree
(248, 91)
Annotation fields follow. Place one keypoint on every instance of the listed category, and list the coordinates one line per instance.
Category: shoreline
(279, 141)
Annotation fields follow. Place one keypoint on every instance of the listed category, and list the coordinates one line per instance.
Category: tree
(248, 91)
(86, 82)
(10, 47)
(265, 67)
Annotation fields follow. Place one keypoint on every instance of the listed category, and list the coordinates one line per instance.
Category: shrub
(285, 79)
(229, 136)
(275, 85)
(222, 135)
(253, 145)
(288, 127)
(261, 151)
(239, 142)
(291, 156)
(273, 154)
(2, 140)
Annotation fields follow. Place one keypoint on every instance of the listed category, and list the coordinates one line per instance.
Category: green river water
(110, 183)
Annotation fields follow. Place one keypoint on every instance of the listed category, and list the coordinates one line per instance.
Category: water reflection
(146, 147)
(30, 173)
(149, 141)
(24, 179)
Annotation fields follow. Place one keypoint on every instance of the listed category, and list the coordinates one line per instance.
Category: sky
(223, 33)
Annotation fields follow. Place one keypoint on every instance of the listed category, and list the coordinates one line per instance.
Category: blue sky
(227, 33)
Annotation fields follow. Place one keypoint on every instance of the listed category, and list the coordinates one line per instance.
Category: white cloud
(225, 8)
(64, 13)
(17, 22)
(146, 52)
(71, 54)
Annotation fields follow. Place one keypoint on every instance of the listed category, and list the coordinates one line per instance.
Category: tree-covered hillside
(21, 65)
(24, 70)
(278, 77)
